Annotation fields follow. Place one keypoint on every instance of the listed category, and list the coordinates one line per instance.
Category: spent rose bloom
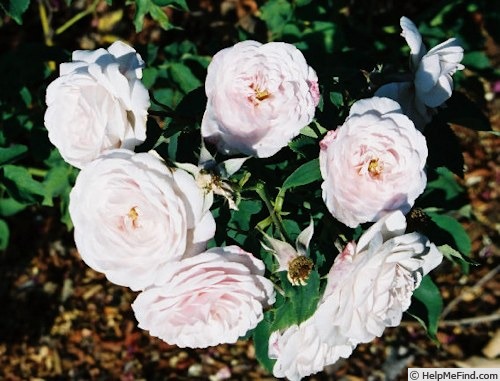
(259, 97)
(432, 70)
(211, 298)
(97, 103)
(373, 163)
(368, 288)
(295, 261)
(133, 217)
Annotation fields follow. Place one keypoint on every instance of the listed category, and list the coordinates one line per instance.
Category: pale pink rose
(433, 70)
(211, 298)
(97, 103)
(371, 283)
(368, 288)
(259, 97)
(134, 217)
(305, 349)
(373, 163)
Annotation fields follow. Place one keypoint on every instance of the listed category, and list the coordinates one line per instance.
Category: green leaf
(12, 153)
(261, 341)
(160, 16)
(149, 76)
(300, 144)
(454, 256)
(447, 183)
(430, 298)
(144, 7)
(4, 235)
(337, 99)
(300, 301)
(9, 207)
(15, 9)
(305, 174)
(461, 110)
(56, 183)
(21, 186)
(240, 219)
(26, 96)
(477, 60)
(276, 14)
(184, 77)
(450, 225)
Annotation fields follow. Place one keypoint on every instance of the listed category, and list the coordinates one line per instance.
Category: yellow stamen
(134, 216)
(375, 168)
(261, 95)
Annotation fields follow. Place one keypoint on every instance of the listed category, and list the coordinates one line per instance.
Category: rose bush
(145, 219)
(97, 103)
(368, 288)
(432, 70)
(211, 298)
(134, 216)
(259, 97)
(373, 163)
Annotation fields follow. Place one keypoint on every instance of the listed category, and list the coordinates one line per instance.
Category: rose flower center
(258, 94)
(133, 216)
(375, 168)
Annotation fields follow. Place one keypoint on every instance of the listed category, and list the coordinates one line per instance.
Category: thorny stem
(37, 172)
(47, 31)
(260, 190)
(90, 9)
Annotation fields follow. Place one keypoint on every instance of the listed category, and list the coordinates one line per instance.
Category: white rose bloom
(433, 70)
(97, 103)
(373, 163)
(134, 217)
(211, 298)
(371, 283)
(301, 350)
(368, 288)
(259, 97)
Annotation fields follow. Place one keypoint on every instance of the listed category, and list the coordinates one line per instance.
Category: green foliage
(460, 238)
(145, 7)
(427, 306)
(12, 153)
(20, 184)
(445, 182)
(15, 8)
(154, 9)
(299, 302)
(307, 173)
(454, 256)
(261, 340)
(4, 235)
